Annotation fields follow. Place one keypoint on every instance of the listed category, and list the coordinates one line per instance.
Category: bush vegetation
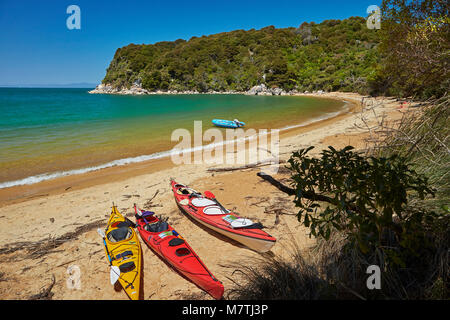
(379, 210)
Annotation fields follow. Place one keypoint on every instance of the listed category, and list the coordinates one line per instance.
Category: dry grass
(276, 278)
(422, 136)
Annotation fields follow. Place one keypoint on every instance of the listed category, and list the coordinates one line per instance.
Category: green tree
(366, 199)
(325, 56)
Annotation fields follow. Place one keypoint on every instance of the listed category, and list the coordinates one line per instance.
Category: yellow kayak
(124, 254)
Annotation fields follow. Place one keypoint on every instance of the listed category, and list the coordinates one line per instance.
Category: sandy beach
(49, 227)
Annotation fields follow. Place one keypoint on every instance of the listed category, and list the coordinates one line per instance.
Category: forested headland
(407, 57)
(335, 55)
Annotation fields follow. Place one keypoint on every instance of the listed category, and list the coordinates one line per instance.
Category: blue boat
(233, 124)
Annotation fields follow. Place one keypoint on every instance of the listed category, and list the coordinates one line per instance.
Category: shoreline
(100, 173)
(261, 90)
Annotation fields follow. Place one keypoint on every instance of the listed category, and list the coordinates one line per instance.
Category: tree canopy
(414, 49)
(333, 55)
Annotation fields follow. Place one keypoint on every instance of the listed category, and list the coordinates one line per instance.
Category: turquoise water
(45, 131)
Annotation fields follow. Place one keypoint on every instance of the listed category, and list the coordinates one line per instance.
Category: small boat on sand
(228, 123)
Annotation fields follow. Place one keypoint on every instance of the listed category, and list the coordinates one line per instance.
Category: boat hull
(181, 257)
(227, 124)
(254, 239)
(129, 278)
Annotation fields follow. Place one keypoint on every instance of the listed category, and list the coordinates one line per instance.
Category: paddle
(211, 196)
(114, 273)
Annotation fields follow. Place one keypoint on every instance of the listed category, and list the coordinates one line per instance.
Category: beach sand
(48, 231)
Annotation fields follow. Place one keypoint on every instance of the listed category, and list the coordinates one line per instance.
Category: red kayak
(170, 246)
(206, 210)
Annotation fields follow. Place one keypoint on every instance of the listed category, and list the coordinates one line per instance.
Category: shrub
(366, 196)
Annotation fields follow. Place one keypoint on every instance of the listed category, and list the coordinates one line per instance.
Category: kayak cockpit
(120, 234)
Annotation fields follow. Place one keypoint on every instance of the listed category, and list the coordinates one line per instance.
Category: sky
(37, 47)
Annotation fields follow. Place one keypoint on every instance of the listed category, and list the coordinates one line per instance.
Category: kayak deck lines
(220, 219)
(123, 251)
(163, 239)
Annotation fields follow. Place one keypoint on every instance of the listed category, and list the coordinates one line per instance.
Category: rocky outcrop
(135, 89)
(103, 88)
(262, 90)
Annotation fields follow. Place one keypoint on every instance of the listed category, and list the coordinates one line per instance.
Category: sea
(47, 133)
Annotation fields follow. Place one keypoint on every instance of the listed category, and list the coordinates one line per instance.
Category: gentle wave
(157, 155)
(318, 119)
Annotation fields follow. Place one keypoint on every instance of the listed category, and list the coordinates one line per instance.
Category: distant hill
(333, 55)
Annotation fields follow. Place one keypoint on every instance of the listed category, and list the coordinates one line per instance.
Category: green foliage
(367, 199)
(408, 56)
(415, 49)
(333, 55)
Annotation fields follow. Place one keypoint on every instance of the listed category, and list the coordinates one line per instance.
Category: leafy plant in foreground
(367, 199)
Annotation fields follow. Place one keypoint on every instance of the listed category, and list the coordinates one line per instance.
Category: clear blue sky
(36, 47)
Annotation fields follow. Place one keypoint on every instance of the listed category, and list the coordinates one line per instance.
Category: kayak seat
(182, 190)
(176, 242)
(157, 227)
(182, 252)
(127, 267)
(119, 234)
(195, 195)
